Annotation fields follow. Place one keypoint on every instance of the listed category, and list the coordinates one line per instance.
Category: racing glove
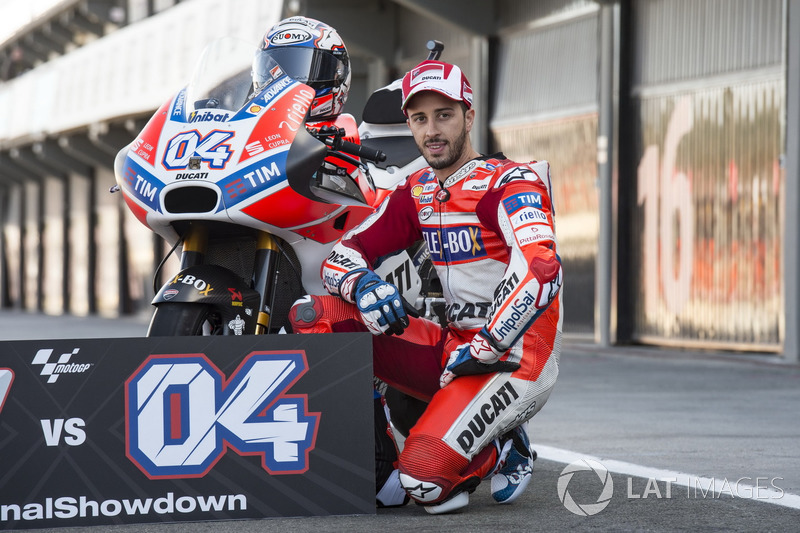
(382, 308)
(481, 356)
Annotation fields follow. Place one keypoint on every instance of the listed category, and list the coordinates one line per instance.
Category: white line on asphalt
(703, 486)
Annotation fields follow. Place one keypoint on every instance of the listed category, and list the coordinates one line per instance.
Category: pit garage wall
(708, 96)
(545, 106)
(697, 212)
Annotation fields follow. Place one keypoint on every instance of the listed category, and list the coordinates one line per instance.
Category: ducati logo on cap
(426, 73)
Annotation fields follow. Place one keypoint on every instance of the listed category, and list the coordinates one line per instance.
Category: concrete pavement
(21, 325)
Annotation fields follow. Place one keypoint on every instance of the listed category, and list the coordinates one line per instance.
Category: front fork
(265, 278)
(265, 269)
(195, 244)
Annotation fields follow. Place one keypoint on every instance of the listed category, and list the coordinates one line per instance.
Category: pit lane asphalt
(643, 413)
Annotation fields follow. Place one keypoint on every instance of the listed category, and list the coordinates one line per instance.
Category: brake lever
(348, 158)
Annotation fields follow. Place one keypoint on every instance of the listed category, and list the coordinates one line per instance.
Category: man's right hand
(380, 305)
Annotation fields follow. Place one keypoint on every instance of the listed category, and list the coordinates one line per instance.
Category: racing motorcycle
(254, 198)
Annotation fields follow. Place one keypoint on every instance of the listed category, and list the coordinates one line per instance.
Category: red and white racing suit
(490, 232)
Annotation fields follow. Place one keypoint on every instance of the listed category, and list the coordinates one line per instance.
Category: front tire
(184, 319)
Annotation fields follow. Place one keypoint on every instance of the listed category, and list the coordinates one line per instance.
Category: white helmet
(310, 52)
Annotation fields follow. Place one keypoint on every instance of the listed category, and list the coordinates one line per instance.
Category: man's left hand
(477, 357)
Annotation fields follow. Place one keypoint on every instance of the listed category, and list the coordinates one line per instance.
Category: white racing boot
(513, 477)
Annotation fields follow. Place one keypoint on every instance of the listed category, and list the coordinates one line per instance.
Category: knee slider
(305, 312)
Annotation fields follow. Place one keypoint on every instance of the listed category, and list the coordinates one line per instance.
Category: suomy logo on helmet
(292, 36)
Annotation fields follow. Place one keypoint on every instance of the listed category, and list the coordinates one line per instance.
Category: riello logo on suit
(181, 414)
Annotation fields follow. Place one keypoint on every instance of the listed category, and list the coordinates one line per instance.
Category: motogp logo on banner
(181, 415)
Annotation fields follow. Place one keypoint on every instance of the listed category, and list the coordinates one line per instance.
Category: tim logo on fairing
(181, 414)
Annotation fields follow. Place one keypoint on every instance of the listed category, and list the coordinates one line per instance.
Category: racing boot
(516, 466)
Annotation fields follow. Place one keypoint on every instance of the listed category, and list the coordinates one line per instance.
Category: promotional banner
(116, 431)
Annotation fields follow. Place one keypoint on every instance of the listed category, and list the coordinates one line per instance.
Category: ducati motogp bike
(254, 198)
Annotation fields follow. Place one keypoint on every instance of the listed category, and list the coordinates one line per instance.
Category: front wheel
(185, 319)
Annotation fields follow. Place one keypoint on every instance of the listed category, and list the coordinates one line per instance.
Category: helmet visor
(307, 65)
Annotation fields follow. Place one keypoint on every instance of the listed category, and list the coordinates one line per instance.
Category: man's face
(441, 130)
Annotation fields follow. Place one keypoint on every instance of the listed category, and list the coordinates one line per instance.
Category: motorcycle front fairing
(217, 152)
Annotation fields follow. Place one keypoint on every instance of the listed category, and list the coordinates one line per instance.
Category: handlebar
(361, 151)
(332, 137)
